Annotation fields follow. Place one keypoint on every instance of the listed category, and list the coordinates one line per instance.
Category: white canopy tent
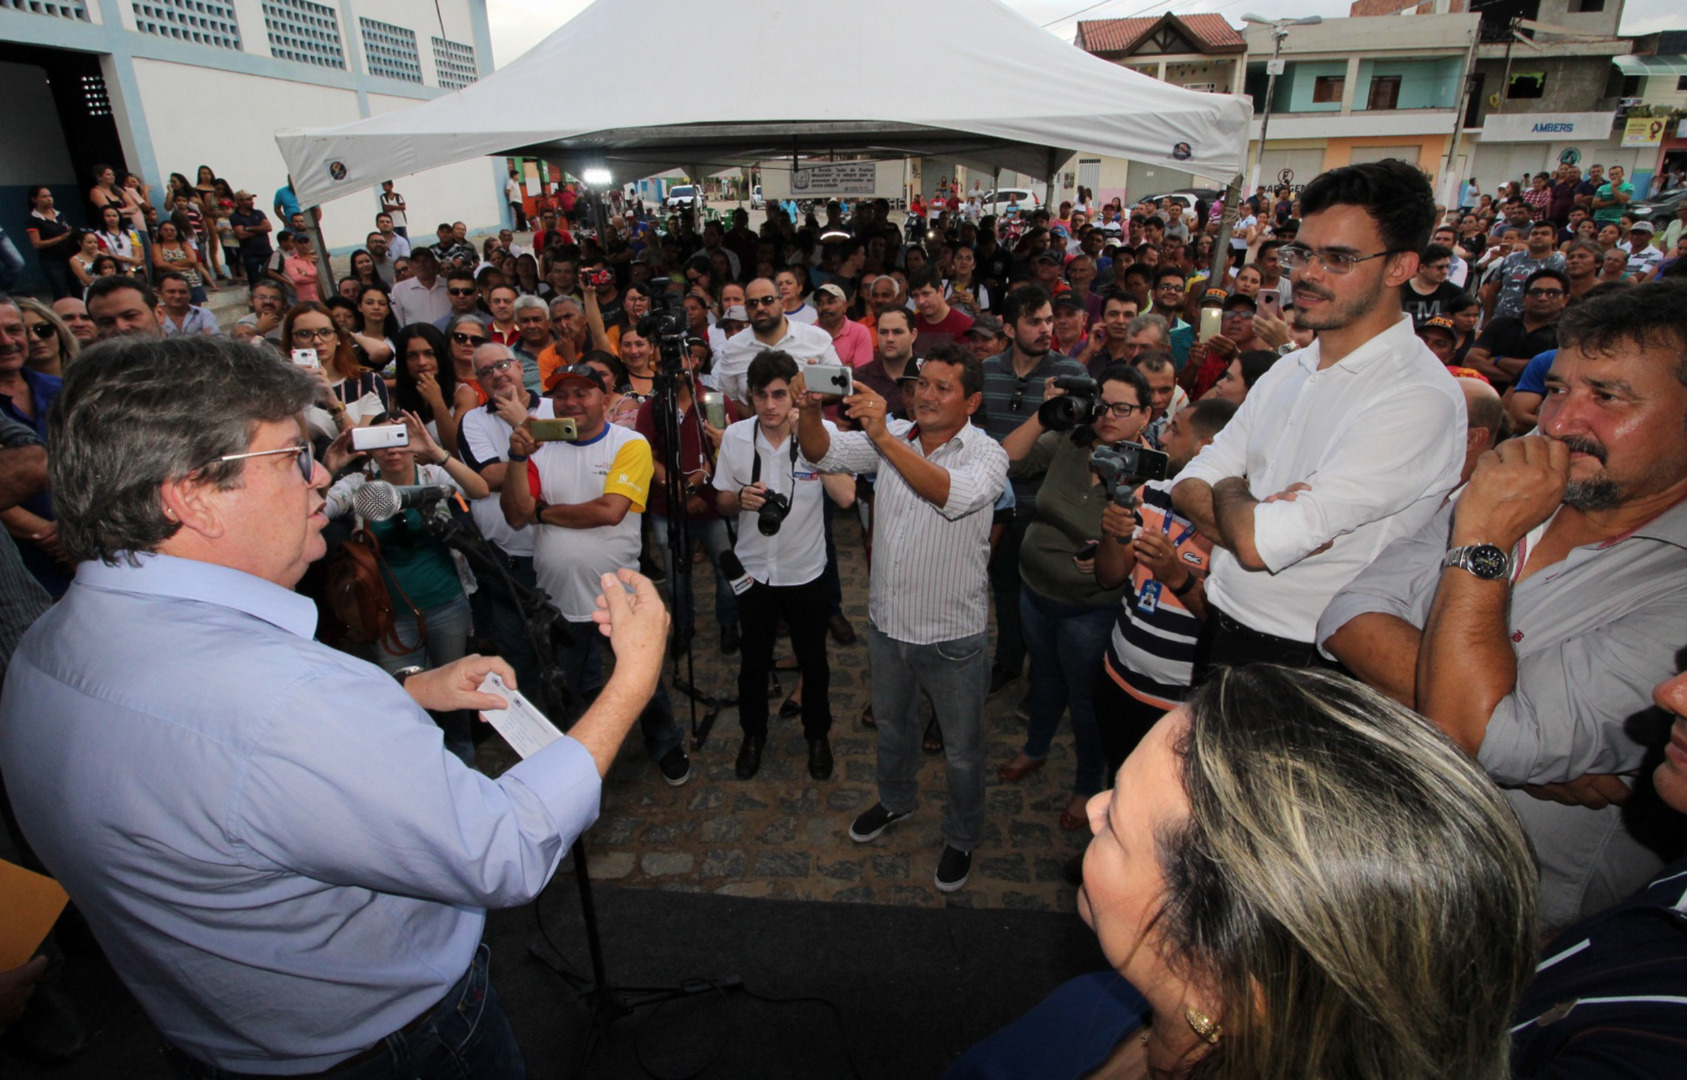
(748, 80)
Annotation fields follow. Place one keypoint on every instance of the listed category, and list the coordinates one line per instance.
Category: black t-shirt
(1421, 307)
(47, 230)
(1508, 336)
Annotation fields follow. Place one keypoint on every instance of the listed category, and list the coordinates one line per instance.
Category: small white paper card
(523, 726)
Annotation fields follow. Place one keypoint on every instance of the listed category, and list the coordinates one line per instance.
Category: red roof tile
(1123, 35)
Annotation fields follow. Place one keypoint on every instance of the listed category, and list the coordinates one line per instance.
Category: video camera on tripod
(667, 330)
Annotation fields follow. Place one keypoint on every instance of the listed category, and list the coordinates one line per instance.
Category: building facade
(161, 86)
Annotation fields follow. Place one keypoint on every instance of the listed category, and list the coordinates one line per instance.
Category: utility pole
(1273, 68)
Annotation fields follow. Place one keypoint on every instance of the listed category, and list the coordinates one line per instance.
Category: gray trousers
(956, 675)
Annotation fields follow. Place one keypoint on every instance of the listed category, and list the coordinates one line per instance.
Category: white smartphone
(829, 379)
(379, 437)
(306, 358)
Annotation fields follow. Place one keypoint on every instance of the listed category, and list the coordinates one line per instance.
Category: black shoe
(873, 822)
(729, 639)
(790, 708)
(676, 767)
(842, 632)
(953, 869)
(749, 756)
(820, 758)
(1000, 677)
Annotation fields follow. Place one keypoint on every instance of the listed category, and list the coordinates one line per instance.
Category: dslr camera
(772, 513)
(1080, 403)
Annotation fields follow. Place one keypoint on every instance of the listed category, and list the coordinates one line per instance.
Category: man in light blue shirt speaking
(268, 837)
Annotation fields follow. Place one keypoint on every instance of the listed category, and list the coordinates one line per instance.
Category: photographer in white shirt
(760, 461)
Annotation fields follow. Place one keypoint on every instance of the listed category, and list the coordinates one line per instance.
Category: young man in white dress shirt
(1342, 447)
(938, 479)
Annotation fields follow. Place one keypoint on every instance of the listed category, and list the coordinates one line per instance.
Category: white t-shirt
(796, 554)
(512, 191)
(570, 562)
(486, 440)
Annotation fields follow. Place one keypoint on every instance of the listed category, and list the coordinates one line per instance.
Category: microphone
(736, 575)
(378, 500)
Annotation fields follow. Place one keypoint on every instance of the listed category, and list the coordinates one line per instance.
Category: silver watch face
(1487, 561)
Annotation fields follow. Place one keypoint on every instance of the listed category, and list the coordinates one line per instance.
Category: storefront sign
(1644, 130)
(1547, 127)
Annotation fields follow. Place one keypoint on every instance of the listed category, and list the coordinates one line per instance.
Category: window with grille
(202, 22)
(304, 32)
(390, 50)
(64, 9)
(454, 63)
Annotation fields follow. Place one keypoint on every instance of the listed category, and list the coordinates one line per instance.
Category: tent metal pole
(324, 269)
(1221, 243)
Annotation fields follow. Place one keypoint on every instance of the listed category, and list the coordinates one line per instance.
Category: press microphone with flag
(378, 500)
(733, 568)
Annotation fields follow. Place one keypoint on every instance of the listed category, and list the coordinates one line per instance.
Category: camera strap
(755, 456)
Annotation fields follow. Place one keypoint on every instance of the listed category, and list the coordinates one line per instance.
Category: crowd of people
(1401, 537)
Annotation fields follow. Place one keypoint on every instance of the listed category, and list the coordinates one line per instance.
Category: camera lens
(772, 513)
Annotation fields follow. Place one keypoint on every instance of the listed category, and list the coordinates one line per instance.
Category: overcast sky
(518, 24)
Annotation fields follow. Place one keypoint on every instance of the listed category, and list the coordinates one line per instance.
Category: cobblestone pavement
(784, 835)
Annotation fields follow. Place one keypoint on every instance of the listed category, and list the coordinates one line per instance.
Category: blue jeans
(956, 676)
(448, 638)
(712, 532)
(465, 1037)
(1066, 643)
(581, 664)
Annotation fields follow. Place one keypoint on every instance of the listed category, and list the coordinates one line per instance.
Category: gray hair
(1149, 322)
(466, 317)
(528, 300)
(1351, 889)
(137, 413)
(565, 301)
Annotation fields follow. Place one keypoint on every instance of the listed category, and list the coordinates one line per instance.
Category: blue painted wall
(1424, 84)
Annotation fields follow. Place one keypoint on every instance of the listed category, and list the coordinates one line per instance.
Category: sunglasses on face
(762, 301)
(460, 292)
(43, 330)
(467, 339)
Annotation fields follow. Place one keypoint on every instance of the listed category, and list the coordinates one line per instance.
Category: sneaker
(953, 869)
(676, 767)
(873, 822)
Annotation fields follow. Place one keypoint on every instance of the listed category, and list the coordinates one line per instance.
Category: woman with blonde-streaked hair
(51, 344)
(1293, 878)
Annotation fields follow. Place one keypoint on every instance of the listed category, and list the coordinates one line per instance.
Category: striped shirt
(1152, 654)
(1010, 399)
(929, 580)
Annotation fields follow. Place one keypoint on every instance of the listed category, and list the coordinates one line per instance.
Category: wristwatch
(403, 674)
(1484, 560)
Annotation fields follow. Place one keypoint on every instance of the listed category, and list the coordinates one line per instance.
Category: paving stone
(708, 798)
(669, 832)
(1048, 867)
(782, 863)
(662, 863)
(1029, 834)
(1003, 867)
(782, 831)
(1004, 801)
(806, 801)
(860, 772)
(860, 894)
(742, 803)
(611, 865)
(842, 870)
(721, 830)
(889, 866)
(724, 862)
(846, 799)
(746, 888)
(912, 895)
(1026, 901)
(616, 830)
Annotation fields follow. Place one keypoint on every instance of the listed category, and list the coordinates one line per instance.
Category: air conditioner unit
(1630, 102)
(1203, 87)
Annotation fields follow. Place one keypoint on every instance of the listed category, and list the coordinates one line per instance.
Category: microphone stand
(546, 628)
